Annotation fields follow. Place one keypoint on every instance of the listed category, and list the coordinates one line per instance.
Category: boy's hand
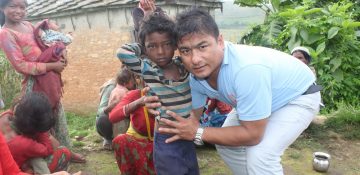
(148, 6)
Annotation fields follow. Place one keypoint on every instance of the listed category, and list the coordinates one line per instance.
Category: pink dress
(22, 52)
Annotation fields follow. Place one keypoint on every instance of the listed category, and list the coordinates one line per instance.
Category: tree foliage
(328, 28)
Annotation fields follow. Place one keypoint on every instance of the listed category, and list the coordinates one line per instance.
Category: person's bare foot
(107, 145)
(77, 158)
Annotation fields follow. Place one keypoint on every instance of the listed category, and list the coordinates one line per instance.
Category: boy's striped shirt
(173, 95)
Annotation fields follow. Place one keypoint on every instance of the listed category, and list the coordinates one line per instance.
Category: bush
(330, 34)
(10, 80)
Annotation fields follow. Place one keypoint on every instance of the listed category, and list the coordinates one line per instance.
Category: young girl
(20, 47)
(26, 132)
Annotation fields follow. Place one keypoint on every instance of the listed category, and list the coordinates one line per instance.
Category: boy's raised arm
(130, 56)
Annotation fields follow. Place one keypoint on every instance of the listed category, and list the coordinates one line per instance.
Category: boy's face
(159, 48)
(202, 54)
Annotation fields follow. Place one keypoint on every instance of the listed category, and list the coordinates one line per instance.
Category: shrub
(329, 32)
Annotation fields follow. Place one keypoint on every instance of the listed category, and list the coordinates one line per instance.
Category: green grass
(10, 81)
(81, 126)
(345, 121)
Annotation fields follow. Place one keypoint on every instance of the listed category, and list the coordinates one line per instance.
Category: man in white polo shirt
(273, 94)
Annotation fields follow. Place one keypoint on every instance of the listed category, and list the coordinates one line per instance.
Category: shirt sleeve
(15, 56)
(198, 98)
(130, 56)
(40, 147)
(137, 15)
(253, 92)
(104, 99)
(7, 163)
(118, 113)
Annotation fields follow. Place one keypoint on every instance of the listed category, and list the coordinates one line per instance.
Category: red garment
(137, 117)
(49, 83)
(7, 164)
(23, 148)
(134, 155)
(59, 160)
(222, 107)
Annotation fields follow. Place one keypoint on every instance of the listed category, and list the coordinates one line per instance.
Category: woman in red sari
(134, 149)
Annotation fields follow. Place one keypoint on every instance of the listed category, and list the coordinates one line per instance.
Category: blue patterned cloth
(51, 36)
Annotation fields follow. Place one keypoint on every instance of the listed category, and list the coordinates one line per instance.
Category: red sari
(134, 149)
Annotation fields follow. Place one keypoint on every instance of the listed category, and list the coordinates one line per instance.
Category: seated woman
(134, 149)
(27, 134)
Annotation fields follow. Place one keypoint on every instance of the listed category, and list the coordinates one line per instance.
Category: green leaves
(332, 32)
(320, 48)
(336, 62)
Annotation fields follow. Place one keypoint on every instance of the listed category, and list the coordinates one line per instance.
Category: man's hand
(184, 129)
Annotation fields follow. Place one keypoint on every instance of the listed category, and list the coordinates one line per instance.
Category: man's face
(202, 54)
(159, 48)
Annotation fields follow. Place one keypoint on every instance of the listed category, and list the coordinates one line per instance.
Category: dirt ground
(92, 62)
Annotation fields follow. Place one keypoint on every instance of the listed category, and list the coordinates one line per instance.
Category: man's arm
(247, 134)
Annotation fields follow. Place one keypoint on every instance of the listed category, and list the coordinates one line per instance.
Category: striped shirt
(173, 95)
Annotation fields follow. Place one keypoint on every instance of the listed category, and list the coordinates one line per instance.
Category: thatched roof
(40, 8)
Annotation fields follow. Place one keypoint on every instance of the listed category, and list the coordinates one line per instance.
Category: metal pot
(321, 161)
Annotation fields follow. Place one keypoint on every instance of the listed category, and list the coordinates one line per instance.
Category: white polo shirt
(255, 80)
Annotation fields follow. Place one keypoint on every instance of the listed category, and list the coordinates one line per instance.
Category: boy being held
(167, 79)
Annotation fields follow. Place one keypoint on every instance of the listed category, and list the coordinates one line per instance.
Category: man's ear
(220, 40)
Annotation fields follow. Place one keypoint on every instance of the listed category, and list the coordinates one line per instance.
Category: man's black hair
(157, 22)
(33, 114)
(196, 20)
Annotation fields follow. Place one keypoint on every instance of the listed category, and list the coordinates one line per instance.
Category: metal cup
(321, 161)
